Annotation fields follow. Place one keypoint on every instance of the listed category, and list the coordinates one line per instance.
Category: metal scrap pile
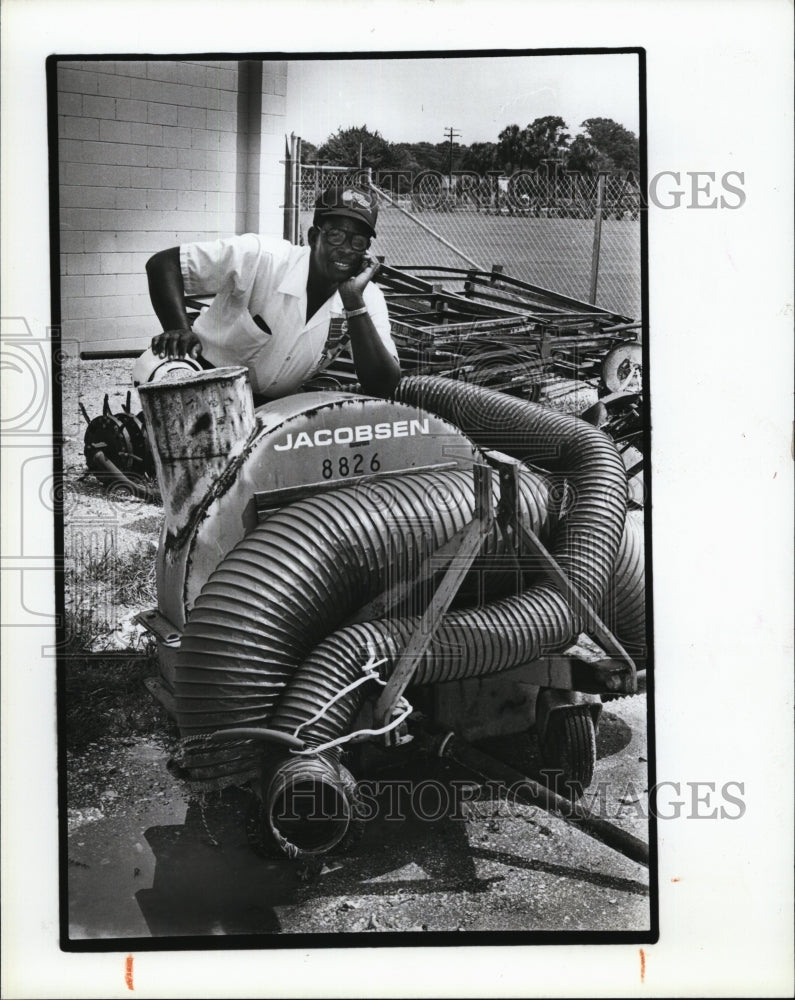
(488, 328)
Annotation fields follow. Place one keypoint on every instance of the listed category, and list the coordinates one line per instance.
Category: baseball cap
(355, 203)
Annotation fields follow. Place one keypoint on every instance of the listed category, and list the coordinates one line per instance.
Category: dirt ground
(147, 859)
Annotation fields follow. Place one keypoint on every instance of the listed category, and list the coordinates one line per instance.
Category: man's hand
(351, 291)
(176, 344)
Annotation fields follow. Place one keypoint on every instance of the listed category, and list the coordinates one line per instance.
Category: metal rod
(136, 489)
(577, 602)
(597, 239)
(297, 191)
(441, 239)
(502, 282)
(256, 733)
(288, 192)
(382, 605)
(622, 327)
(440, 602)
(110, 355)
(536, 794)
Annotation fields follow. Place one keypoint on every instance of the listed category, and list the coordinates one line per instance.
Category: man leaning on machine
(273, 301)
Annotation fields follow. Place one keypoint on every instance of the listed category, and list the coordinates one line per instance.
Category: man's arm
(167, 292)
(378, 370)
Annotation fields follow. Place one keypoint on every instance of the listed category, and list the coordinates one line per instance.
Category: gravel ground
(146, 859)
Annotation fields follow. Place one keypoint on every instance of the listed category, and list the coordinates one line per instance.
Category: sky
(416, 100)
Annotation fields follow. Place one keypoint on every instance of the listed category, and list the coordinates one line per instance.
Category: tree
(404, 158)
(544, 139)
(421, 156)
(583, 157)
(479, 157)
(308, 152)
(342, 149)
(617, 147)
(509, 149)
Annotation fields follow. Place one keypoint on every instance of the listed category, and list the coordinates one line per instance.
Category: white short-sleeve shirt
(265, 277)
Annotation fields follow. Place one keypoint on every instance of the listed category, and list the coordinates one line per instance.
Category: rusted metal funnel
(196, 427)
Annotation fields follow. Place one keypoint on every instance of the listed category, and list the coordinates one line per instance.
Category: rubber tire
(569, 746)
(628, 351)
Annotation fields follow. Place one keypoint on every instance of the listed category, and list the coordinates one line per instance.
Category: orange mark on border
(642, 965)
(675, 878)
(128, 972)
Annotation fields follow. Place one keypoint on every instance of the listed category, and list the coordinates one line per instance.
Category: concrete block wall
(267, 111)
(272, 128)
(151, 154)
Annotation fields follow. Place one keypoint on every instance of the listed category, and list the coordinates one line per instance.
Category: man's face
(335, 262)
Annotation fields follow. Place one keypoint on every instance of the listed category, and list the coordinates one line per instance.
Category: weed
(127, 578)
(104, 693)
(135, 577)
(83, 629)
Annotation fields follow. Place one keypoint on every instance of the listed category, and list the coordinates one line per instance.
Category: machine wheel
(622, 368)
(569, 746)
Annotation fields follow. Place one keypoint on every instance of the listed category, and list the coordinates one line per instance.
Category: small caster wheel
(569, 747)
(622, 368)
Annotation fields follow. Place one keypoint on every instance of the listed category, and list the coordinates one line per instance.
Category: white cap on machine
(150, 368)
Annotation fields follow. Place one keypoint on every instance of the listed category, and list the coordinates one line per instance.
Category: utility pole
(450, 134)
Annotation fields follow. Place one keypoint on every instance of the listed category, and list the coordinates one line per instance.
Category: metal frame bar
(618, 660)
(448, 587)
(497, 279)
(615, 672)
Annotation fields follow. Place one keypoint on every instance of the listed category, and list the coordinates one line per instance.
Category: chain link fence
(571, 234)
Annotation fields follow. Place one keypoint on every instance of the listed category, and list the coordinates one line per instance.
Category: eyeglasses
(337, 237)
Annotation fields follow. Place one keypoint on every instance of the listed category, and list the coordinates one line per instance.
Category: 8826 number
(349, 465)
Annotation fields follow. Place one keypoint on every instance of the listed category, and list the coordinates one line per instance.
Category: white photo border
(719, 85)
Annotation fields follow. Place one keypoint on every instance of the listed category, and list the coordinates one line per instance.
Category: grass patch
(126, 579)
(104, 694)
(135, 577)
(552, 253)
(84, 630)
